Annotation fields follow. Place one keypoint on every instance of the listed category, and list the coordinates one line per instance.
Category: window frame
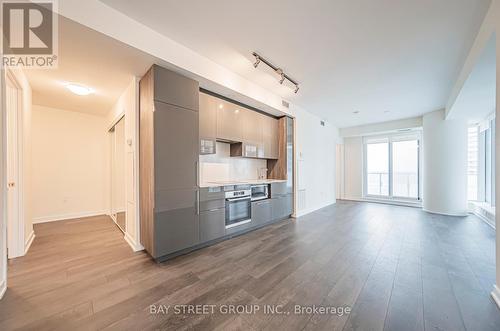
(390, 139)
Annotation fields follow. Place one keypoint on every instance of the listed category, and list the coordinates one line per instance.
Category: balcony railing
(405, 184)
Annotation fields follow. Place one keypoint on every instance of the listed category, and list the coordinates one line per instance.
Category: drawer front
(278, 189)
(211, 193)
(212, 204)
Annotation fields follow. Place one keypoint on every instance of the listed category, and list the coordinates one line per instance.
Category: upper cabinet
(179, 94)
(270, 137)
(208, 124)
(229, 121)
(251, 133)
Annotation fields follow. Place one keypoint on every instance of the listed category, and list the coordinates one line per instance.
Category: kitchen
(211, 168)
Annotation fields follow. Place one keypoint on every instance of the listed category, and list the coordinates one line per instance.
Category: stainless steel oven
(238, 208)
(260, 192)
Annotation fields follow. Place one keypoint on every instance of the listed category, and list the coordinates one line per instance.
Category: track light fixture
(279, 71)
(257, 61)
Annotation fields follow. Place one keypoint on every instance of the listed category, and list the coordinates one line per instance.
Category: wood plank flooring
(398, 268)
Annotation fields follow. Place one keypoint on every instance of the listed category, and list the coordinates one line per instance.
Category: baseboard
(483, 218)
(313, 209)
(135, 246)
(29, 241)
(70, 216)
(445, 214)
(495, 294)
(3, 289)
(386, 202)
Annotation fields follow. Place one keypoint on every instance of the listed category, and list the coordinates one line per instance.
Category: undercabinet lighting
(79, 89)
(279, 71)
(221, 106)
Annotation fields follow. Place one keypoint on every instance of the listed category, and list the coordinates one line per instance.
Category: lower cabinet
(212, 224)
(261, 212)
(282, 206)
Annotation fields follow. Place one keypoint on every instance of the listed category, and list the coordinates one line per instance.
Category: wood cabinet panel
(269, 137)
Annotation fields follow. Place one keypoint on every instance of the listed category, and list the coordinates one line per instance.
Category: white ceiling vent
(285, 104)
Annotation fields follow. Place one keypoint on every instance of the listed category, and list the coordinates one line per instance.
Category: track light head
(282, 75)
(296, 89)
(257, 61)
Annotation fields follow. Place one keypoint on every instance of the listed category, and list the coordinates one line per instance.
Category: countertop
(242, 182)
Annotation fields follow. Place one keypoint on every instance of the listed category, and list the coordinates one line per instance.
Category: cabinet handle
(197, 174)
(197, 202)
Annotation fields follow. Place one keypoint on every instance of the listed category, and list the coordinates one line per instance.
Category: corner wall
(315, 161)
(445, 164)
(128, 105)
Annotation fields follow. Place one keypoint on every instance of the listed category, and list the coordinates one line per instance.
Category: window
(472, 163)
(481, 163)
(392, 167)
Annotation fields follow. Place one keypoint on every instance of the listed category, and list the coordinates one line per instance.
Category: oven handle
(237, 199)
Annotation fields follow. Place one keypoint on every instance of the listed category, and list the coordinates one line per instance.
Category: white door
(13, 103)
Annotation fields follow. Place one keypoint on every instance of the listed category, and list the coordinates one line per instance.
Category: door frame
(16, 244)
(112, 151)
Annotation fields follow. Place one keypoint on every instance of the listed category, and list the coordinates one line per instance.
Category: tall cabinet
(169, 146)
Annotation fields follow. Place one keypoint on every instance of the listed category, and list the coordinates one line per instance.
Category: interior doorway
(118, 189)
(15, 228)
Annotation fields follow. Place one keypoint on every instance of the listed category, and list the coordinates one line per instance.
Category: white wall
(3, 192)
(445, 164)
(315, 155)
(353, 168)
(496, 290)
(128, 105)
(70, 153)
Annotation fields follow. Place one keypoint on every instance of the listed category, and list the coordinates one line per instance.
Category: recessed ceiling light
(79, 89)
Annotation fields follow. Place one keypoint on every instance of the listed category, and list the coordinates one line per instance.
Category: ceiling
(477, 99)
(90, 58)
(384, 59)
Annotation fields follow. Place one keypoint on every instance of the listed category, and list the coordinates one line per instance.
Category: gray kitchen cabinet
(282, 206)
(261, 212)
(229, 122)
(208, 123)
(175, 89)
(168, 159)
(176, 147)
(279, 189)
(212, 224)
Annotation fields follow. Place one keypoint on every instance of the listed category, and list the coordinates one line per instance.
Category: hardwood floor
(398, 268)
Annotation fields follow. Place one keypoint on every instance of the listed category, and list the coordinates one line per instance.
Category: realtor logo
(29, 34)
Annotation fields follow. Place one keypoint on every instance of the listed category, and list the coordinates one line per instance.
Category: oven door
(238, 211)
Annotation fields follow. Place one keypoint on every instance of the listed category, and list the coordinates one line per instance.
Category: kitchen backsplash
(221, 167)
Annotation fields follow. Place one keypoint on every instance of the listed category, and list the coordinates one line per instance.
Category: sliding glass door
(392, 166)
(377, 168)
